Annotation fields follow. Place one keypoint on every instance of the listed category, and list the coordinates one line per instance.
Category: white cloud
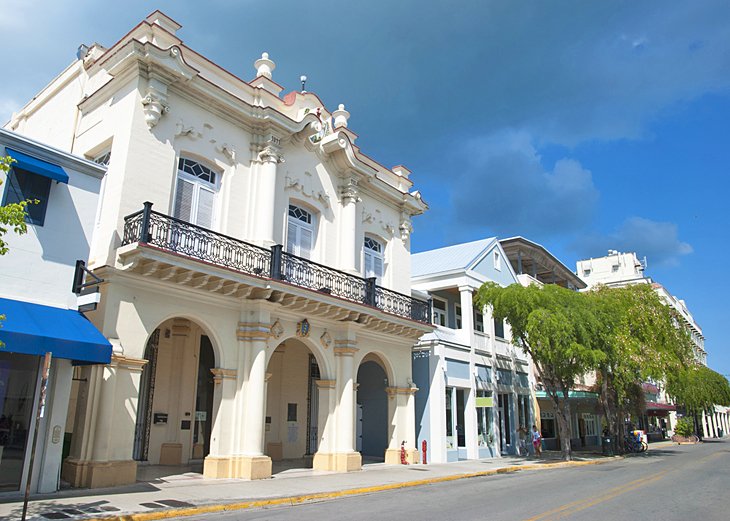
(504, 187)
(658, 241)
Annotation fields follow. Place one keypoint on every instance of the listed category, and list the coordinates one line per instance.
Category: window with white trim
(439, 312)
(195, 193)
(497, 261)
(478, 321)
(457, 309)
(300, 232)
(373, 259)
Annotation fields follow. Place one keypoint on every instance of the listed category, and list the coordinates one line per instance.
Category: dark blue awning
(33, 329)
(37, 166)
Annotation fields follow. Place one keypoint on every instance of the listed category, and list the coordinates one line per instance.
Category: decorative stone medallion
(303, 328)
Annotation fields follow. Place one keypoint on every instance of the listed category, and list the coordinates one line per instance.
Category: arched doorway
(372, 411)
(292, 406)
(175, 407)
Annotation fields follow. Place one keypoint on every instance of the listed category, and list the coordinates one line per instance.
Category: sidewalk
(191, 493)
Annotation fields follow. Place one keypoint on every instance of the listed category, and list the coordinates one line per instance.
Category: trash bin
(607, 446)
(720, 433)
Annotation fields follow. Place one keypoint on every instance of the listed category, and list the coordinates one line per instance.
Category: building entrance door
(504, 422)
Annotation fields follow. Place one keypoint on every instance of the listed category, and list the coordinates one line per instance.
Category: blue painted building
(474, 385)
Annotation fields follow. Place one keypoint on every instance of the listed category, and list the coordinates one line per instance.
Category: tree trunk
(563, 414)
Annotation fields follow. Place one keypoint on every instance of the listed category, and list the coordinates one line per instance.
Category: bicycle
(634, 445)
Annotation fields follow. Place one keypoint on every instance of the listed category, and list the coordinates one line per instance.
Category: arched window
(195, 193)
(373, 260)
(300, 232)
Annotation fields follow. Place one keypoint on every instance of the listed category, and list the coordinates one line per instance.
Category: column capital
(463, 289)
(345, 351)
(132, 364)
(253, 331)
(220, 374)
(326, 384)
(393, 391)
(349, 191)
(270, 154)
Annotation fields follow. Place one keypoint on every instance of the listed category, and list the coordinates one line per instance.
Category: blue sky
(585, 126)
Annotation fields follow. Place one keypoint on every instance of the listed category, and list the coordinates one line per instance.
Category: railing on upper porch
(180, 237)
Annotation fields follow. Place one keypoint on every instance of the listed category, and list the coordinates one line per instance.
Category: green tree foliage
(685, 427)
(699, 388)
(642, 339)
(556, 328)
(12, 216)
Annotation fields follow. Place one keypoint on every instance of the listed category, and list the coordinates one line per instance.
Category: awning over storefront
(33, 329)
(37, 166)
(660, 406)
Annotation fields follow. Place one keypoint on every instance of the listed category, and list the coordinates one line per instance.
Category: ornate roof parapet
(264, 68)
(340, 116)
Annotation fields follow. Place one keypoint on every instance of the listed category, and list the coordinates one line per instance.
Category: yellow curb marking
(581, 504)
(294, 500)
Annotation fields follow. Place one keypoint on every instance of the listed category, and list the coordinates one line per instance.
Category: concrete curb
(295, 500)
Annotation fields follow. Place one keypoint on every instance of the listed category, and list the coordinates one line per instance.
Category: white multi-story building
(474, 385)
(620, 269)
(256, 266)
(41, 312)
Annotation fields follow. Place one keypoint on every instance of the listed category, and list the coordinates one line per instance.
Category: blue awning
(33, 329)
(37, 166)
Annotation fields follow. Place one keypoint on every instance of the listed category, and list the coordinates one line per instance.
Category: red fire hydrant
(403, 460)
(423, 449)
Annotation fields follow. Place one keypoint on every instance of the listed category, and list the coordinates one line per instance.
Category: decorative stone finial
(341, 116)
(264, 66)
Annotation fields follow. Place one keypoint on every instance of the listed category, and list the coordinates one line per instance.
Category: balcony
(165, 233)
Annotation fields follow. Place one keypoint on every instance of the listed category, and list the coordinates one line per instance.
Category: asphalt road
(688, 482)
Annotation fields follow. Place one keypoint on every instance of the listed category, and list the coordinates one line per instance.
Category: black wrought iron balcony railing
(180, 237)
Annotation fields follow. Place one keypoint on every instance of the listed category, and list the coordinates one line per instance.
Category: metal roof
(450, 258)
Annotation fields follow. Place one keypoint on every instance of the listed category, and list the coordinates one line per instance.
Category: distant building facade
(624, 268)
(256, 267)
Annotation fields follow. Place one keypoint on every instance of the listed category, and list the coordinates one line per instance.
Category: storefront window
(484, 420)
(18, 376)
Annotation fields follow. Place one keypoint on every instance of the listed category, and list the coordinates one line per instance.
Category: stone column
(349, 247)
(402, 411)
(252, 463)
(269, 158)
(346, 458)
(101, 454)
(324, 458)
(467, 315)
(223, 428)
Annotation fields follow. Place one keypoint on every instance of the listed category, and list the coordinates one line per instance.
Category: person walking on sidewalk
(536, 441)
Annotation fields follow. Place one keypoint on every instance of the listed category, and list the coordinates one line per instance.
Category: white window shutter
(183, 200)
(291, 238)
(305, 242)
(368, 264)
(377, 267)
(204, 216)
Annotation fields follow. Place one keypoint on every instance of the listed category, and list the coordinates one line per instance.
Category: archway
(175, 407)
(292, 406)
(372, 410)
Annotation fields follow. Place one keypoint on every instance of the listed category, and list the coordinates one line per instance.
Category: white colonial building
(256, 267)
(40, 309)
(474, 385)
